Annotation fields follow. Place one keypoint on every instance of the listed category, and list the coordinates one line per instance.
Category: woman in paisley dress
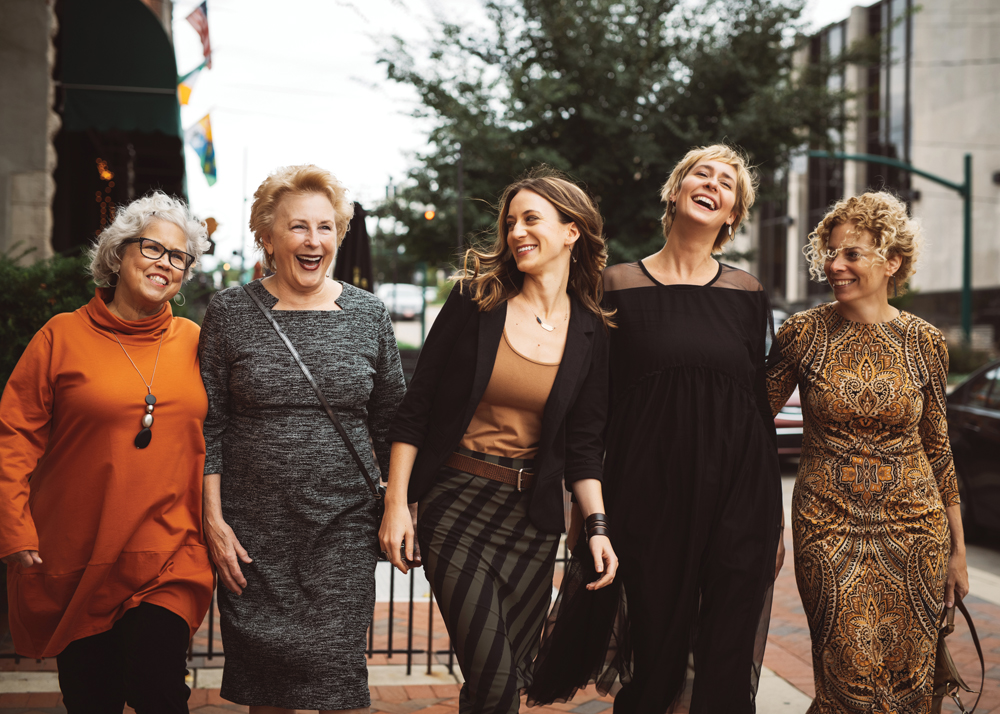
(875, 516)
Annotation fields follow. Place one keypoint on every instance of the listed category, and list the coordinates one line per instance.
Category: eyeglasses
(154, 251)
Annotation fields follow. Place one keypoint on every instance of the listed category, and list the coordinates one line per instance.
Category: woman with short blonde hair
(691, 471)
(875, 511)
(289, 518)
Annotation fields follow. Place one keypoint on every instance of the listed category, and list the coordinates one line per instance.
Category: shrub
(32, 294)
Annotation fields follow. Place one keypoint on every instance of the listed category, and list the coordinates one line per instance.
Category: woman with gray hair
(101, 461)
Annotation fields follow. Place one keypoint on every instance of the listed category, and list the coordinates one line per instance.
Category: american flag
(199, 20)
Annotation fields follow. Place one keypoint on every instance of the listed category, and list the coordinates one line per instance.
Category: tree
(613, 92)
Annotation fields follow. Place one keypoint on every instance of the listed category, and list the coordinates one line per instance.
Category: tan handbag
(947, 680)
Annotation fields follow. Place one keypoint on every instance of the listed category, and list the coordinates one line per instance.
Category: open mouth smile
(157, 279)
(309, 262)
(705, 201)
(525, 249)
(843, 283)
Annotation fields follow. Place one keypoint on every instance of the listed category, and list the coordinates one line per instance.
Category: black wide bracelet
(598, 525)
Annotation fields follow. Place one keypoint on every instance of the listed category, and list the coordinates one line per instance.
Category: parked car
(788, 424)
(403, 300)
(974, 428)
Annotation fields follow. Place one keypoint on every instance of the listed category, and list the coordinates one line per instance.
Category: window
(979, 392)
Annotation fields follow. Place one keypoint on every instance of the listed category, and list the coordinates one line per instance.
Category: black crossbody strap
(319, 393)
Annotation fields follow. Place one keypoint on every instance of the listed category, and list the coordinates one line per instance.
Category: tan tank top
(508, 420)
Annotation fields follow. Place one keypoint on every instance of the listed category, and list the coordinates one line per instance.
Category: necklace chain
(149, 387)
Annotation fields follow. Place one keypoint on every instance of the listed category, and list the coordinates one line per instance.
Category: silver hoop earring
(182, 302)
(117, 278)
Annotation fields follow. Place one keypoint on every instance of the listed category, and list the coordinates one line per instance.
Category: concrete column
(856, 82)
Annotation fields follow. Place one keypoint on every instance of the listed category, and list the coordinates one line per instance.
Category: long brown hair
(490, 272)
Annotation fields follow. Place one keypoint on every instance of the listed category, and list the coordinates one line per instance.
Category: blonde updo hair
(132, 220)
(746, 185)
(884, 217)
(296, 180)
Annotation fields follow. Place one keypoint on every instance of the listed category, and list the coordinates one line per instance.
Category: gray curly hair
(130, 222)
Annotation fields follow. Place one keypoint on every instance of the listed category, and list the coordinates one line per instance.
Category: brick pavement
(787, 654)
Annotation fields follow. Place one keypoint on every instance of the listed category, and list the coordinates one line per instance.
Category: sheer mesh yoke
(634, 275)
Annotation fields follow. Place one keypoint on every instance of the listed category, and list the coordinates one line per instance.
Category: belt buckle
(519, 474)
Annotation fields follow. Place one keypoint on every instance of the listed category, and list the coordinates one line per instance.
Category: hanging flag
(199, 21)
(185, 84)
(199, 137)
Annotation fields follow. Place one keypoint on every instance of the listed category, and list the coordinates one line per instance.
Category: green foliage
(32, 295)
(963, 359)
(613, 92)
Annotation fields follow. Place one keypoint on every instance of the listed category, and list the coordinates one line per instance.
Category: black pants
(141, 660)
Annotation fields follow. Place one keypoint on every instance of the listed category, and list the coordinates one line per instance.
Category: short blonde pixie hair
(297, 180)
(746, 185)
(884, 217)
(132, 220)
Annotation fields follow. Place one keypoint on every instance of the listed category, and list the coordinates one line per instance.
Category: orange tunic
(114, 525)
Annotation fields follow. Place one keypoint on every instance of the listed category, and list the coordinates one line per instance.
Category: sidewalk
(786, 684)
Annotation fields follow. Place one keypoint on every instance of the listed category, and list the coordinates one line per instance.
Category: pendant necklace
(144, 436)
(547, 327)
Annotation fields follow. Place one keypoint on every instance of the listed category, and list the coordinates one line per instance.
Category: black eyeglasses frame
(185, 258)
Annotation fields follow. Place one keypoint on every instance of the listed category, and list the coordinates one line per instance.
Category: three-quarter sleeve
(934, 421)
(387, 390)
(783, 362)
(214, 360)
(586, 419)
(25, 419)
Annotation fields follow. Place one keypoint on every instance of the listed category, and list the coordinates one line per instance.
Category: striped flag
(199, 21)
(199, 137)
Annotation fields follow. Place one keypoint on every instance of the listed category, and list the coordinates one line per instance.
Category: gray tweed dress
(292, 493)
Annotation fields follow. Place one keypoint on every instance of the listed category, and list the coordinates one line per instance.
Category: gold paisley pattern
(868, 521)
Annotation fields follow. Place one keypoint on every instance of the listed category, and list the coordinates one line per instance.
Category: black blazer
(455, 366)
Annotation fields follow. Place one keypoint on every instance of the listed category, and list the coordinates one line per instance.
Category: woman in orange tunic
(875, 514)
(101, 460)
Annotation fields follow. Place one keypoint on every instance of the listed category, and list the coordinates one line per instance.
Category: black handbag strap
(376, 491)
(979, 650)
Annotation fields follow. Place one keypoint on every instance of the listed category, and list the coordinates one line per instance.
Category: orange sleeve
(25, 417)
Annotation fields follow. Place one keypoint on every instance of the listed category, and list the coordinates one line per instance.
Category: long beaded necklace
(145, 435)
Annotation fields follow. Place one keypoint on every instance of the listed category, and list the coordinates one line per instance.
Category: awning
(117, 68)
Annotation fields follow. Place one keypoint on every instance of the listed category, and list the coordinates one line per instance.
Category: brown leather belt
(519, 478)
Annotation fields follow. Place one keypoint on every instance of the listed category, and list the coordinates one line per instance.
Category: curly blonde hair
(884, 217)
(746, 185)
(490, 271)
(286, 180)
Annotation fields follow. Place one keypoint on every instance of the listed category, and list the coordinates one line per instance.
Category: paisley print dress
(868, 512)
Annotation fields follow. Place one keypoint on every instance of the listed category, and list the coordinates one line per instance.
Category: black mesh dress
(693, 493)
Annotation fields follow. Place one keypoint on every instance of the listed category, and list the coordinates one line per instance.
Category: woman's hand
(605, 562)
(398, 526)
(226, 552)
(958, 579)
(24, 558)
(779, 559)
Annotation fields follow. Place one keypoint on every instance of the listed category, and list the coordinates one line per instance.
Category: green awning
(117, 68)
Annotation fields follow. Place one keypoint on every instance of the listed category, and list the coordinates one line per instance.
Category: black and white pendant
(143, 438)
(545, 326)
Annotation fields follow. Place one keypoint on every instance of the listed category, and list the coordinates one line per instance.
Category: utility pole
(964, 190)
(461, 203)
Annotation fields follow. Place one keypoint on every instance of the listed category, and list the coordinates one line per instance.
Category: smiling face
(145, 284)
(854, 269)
(302, 240)
(707, 195)
(535, 234)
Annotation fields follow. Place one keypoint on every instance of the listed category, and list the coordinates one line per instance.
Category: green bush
(32, 294)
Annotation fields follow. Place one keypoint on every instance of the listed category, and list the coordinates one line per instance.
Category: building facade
(933, 97)
(89, 120)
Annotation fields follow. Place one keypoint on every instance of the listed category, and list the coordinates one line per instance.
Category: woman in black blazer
(508, 401)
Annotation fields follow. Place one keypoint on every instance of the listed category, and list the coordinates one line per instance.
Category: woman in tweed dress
(289, 519)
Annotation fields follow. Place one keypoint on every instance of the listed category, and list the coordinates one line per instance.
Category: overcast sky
(296, 82)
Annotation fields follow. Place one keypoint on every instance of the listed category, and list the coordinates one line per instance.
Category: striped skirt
(491, 570)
